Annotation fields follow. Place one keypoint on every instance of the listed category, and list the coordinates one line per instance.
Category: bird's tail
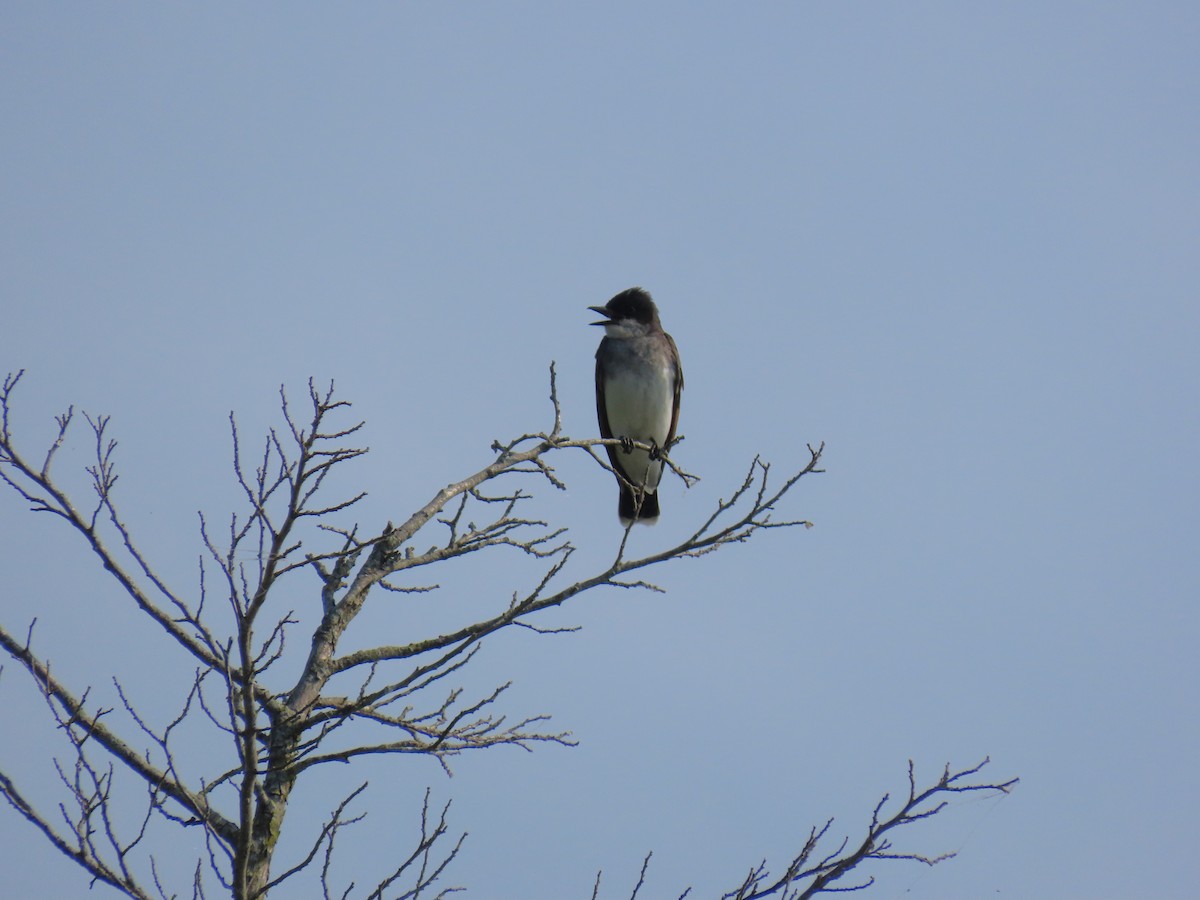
(628, 507)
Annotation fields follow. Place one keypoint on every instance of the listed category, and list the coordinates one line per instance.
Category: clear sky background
(959, 243)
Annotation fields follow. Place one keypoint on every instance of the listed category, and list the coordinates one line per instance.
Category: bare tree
(401, 698)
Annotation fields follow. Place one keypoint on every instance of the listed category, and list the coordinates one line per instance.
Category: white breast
(640, 408)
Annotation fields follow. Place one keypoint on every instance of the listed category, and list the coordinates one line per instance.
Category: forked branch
(400, 699)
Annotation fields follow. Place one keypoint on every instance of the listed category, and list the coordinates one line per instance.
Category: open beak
(602, 311)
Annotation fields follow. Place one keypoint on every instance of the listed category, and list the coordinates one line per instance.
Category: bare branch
(80, 853)
(327, 836)
(428, 868)
(401, 699)
(76, 715)
(825, 875)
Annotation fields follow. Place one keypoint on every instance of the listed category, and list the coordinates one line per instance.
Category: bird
(638, 383)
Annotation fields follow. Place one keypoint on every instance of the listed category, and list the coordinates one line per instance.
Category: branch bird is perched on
(638, 380)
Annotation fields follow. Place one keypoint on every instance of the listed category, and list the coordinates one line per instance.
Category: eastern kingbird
(638, 380)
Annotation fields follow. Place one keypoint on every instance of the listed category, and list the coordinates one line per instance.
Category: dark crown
(635, 304)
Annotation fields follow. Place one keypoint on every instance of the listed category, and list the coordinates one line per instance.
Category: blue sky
(956, 242)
